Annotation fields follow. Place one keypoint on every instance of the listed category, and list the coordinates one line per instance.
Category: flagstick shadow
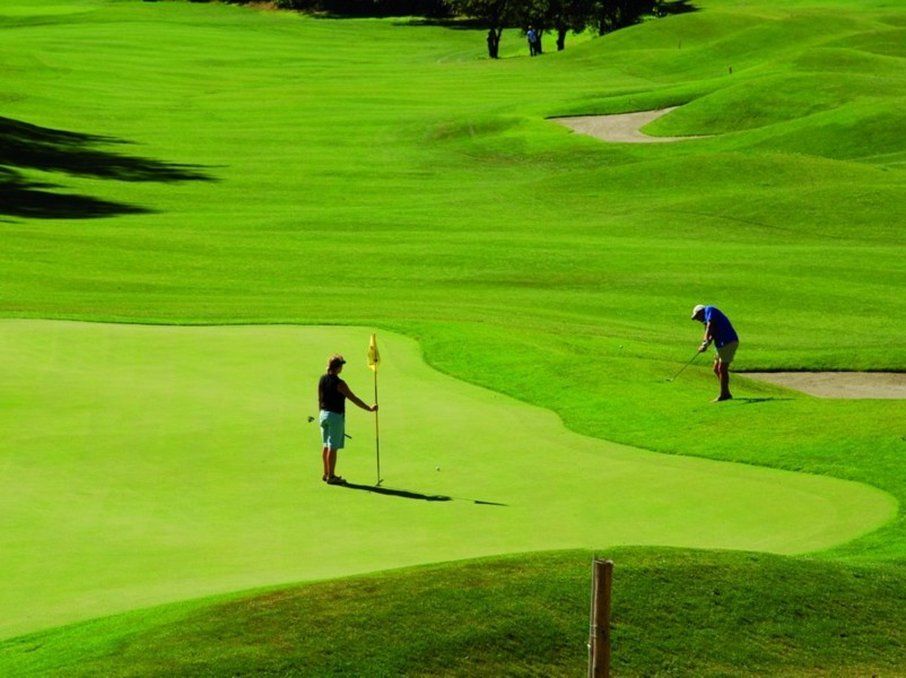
(406, 494)
(397, 493)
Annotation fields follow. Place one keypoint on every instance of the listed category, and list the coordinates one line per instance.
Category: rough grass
(674, 612)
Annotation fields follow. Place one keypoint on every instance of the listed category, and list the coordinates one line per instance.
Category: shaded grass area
(674, 612)
(24, 146)
(23, 198)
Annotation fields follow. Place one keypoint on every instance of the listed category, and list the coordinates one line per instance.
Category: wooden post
(599, 641)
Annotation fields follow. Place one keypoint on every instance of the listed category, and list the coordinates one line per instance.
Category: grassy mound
(682, 612)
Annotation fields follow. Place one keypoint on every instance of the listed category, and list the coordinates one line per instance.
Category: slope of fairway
(675, 612)
(159, 463)
(177, 162)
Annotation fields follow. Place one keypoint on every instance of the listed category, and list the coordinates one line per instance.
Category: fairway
(199, 202)
(177, 462)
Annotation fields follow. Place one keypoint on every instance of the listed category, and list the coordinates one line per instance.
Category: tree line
(559, 17)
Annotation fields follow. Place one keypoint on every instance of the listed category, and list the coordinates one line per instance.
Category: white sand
(622, 128)
(886, 385)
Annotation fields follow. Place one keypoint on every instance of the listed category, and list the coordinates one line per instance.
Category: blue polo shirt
(721, 329)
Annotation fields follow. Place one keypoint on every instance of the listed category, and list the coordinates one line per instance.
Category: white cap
(696, 310)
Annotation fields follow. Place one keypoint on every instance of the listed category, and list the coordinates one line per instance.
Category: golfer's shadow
(406, 494)
(758, 400)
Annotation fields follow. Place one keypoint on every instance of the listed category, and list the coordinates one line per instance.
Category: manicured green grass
(157, 463)
(675, 612)
(283, 169)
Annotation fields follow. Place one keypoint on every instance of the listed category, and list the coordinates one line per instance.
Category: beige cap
(698, 308)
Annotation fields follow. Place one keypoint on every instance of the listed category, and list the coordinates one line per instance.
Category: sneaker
(324, 478)
(336, 480)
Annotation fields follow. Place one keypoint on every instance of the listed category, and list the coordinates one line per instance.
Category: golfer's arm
(707, 338)
(344, 389)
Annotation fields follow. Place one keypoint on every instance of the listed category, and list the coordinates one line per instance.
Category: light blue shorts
(333, 429)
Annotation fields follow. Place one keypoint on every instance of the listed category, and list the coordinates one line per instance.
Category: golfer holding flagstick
(332, 395)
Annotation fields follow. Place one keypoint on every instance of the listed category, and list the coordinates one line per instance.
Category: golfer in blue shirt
(719, 330)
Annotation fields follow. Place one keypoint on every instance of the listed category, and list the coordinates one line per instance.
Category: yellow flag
(373, 356)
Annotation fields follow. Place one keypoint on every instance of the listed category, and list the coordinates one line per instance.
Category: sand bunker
(622, 128)
(885, 385)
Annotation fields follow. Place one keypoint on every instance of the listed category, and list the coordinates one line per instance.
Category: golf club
(311, 419)
(684, 366)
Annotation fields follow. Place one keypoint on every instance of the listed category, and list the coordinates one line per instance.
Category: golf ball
(437, 468)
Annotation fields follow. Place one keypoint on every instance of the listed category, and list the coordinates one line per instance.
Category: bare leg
(723, 373)
(331, 462)
(324, 459)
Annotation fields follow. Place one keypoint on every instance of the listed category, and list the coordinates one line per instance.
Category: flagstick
(377, 436)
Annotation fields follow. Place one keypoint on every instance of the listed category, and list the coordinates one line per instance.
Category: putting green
(147, 464)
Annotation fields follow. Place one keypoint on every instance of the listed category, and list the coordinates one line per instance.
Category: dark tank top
(329, 398)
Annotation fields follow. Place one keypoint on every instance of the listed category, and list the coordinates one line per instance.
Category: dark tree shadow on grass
(24, 199)
(24, 146)
(406, 494)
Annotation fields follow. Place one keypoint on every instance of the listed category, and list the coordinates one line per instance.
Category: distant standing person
(719, 330)
(332, 395)
(530, 36)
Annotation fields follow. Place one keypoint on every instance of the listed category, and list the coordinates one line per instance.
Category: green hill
(675, 612)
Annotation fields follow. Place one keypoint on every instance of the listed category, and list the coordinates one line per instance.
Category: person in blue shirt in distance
(718, 329)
